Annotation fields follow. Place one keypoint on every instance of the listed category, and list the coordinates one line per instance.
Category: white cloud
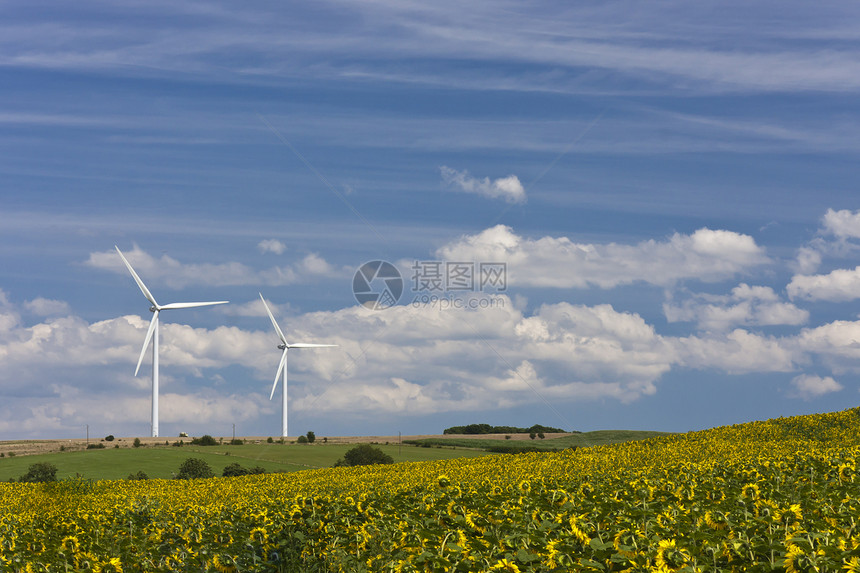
(737, 352)
(271, 246)
(174, 274)
(842, 223)
(47, 307)
(507, 188)
(706, 255)
(810, 386)
(745, 306)
(836, 286)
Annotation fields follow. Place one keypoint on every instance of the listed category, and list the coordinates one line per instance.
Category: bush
(204, 440)
(364, 455)
(40, 473)
(234, 470)
(311, 437)
(237, 442)
(302, 440)
(136, 443)
(194, 468)
(139, 475)
(270, 440)
(109, 438)
(98, 446)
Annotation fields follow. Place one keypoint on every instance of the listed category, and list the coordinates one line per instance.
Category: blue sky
(671, 186)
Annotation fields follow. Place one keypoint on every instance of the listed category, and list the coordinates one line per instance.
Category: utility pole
(234, 432)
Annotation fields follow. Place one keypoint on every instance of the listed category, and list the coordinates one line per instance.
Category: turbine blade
(278, 375)
(174, 305)
(274, 322)
(306, 345)
(146, 340)
(139, 282)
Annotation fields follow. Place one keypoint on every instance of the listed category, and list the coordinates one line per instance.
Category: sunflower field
(779, 495)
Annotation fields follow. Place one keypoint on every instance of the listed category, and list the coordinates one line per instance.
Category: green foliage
(364, 455)
(236, 470)
(488, 429)
(302, 440)
(136, 443)
(109, 438)
(138, 476)
(237, 442)
(311, 437)
(98, 446)
(269, 440)
(194, 468)
(204, 440)
(40, 472)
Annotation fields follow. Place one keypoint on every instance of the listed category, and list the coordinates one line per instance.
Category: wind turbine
(285, 346)
(152, 334)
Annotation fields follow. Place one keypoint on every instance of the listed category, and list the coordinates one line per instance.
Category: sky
(603, 215)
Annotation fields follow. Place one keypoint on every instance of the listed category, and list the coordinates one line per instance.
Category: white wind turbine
(152, 334)
(286, 346)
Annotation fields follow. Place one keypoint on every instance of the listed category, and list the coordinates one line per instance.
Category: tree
(302, 439)
(39, 473)
(109, 438)
(138, 476)
(136, 443)
(194, 468)
(364, 455)
(311, 437)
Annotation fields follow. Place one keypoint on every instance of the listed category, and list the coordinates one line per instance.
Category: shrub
(257, 470)
(325, 440)
(139, 475)
(311, 437)
(303, 439)
(204, 440)
(136, 443)
(39, 473)
(194, 468)
(109, 438)
(98, 446)
(234, 470)
(270, 440)
(364, 455)
(237, 442)
(541, 436)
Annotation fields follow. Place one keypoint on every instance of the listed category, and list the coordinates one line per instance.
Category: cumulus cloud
(745, 306)
(808, 386)
(507, 188)
(842, 223)
(836, 286)
(842, 226)
(271, 246)
(737, 352)
(46, 307)
(177, 275)
(707, 255)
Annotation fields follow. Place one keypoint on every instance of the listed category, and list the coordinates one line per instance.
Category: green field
(580, 440)
(163, 461)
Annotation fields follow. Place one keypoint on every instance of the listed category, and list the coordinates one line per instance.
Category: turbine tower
(152, 334)
(286, 346)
